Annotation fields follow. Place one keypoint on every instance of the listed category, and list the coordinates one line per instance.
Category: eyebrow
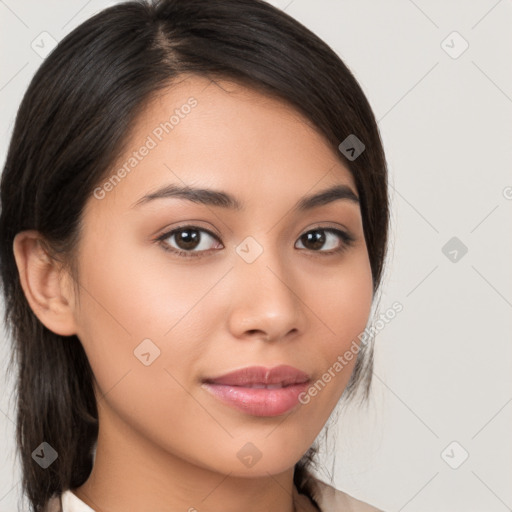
(223, 199)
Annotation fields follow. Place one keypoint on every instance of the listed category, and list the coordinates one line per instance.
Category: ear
(46, 286)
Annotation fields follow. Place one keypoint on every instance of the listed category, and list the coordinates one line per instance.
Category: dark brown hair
(70, 128)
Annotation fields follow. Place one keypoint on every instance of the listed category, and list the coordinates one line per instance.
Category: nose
(266, 299)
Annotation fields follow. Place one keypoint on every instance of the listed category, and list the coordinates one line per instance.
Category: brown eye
(189, 239)
(330, 239)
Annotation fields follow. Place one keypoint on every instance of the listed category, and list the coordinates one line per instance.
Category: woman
(194, 225)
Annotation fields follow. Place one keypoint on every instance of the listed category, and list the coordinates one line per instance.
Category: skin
(164, 442)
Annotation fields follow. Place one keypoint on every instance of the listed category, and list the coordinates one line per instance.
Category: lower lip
(258, 401)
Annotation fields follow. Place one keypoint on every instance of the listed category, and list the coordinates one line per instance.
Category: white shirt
(329, 499)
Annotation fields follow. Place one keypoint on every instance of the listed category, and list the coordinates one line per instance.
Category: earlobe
(41, 279)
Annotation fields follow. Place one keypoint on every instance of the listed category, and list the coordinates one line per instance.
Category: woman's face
(267, 284)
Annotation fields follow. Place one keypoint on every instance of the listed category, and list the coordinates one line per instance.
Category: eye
(189, 240)
(335, 240)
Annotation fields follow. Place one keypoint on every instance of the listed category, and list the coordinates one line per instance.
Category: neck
(132, 473)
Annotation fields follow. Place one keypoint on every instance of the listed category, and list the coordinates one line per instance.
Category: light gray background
(442, 370)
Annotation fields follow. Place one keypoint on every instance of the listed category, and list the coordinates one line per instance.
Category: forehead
(223, 135)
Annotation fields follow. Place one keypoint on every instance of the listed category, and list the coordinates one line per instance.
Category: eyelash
(347, 241)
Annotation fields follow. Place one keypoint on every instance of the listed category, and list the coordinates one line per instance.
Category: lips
(260, 391)
(259, 376)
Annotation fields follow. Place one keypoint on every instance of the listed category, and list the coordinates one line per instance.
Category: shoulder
(334, 500)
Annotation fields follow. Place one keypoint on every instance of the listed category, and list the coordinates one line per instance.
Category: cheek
(146, 321)
(131, 306)
(143, 328)
(138, 292)
(343, 303)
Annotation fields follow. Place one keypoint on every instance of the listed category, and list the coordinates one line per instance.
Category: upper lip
(282, 374)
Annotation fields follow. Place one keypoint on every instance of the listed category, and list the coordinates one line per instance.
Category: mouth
(259, 391)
